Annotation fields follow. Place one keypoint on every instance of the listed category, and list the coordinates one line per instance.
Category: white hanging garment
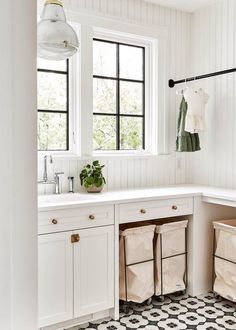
(196, 100)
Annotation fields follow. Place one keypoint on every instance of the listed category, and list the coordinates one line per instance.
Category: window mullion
(118, 99)
(53, 71)
(144, 101)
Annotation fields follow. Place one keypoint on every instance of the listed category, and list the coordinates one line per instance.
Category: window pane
(104, 132)
(52, 91)
(51, 65)
(52, 131)
(131, 129)
(131, 98)
(131, 62)
(104, 59)
(104, 95)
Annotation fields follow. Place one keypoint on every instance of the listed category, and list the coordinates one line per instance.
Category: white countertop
(209, 194)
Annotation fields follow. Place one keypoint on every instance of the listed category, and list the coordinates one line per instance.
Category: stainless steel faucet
(45, 172)
(56, 181)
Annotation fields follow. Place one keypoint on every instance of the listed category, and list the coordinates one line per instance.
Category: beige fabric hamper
(140, 271)
(173, 269)
(225, 270)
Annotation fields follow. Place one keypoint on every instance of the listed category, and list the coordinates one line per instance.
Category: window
(119, 96)
(53, 105)
(109, 97)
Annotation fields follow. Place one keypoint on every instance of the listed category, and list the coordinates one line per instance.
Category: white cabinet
(55, 278)
(75, 218)
(155, 209)
(94, 270)
(76, 278)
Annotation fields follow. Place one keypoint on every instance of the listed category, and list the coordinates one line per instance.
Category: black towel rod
(172, 83)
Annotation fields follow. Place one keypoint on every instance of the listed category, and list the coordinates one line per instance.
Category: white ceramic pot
(94, 189)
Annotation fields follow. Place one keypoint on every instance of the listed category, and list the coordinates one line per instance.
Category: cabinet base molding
(80, 320)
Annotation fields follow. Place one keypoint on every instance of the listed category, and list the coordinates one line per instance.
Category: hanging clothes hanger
(196, 87)
(182, 90)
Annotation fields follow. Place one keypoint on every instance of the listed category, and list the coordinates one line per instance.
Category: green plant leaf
(92, 175)
(98, 183)
(89, 181)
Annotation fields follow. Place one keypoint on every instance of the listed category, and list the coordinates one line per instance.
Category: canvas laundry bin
(171, 257)
(136, 263)
(225, 259)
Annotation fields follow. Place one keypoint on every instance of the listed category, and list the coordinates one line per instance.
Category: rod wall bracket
(171, 83)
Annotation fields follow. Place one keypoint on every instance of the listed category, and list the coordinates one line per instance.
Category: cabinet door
(94, 270)
(55, 278)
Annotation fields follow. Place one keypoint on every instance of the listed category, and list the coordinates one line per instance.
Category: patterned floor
(176, 312)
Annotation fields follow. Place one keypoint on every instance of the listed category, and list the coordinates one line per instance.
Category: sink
(65, 198)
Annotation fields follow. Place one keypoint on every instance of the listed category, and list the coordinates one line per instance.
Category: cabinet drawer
(77, 218)
(148, 210)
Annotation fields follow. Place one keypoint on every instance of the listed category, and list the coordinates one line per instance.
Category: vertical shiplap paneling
(114, 174)
(125, 173)
(183, 41)
(213, 48)
(233, 8)
(51, 166)
(40, 175)
(230, 90)
(73, 169)
(124, 176)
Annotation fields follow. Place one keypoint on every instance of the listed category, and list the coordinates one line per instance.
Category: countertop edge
(209, 194)
(157, 195)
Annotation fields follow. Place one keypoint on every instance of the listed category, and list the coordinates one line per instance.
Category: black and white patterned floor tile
(176, 312)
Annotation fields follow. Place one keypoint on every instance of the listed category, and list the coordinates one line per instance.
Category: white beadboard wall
(214, 48)
(120, 173)
(126, 173)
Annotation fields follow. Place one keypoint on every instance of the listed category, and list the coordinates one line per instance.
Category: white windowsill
(102, 155)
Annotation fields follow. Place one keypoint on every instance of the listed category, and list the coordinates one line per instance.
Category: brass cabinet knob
(143, 211)
(75, 238)
(54, 221)
(174, 207)
(91, 217)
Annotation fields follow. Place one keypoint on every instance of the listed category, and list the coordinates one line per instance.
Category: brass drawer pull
(92, 217)
(174, 207)
(143, 211)
(54, 221)
(75, 238)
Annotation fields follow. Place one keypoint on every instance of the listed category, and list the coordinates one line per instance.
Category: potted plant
(91, 177)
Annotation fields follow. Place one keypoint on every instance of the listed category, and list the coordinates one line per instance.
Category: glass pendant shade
(57, 40)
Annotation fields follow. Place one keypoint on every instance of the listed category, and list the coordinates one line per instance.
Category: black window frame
(66, 112)
(118, 79)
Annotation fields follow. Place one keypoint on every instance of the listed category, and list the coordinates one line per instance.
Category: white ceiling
(185, 5)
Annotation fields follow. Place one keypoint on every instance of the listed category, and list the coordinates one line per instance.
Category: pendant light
(57, 40)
